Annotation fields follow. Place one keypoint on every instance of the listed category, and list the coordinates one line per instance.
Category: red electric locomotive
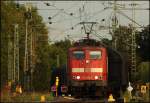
(95, 70)
(87, 66)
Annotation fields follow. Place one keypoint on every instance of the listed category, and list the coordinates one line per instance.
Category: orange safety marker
(14, 94)
(143, 89)
(9, 83)
(111, 98)
(43, 98)
(17, 89)
(20, 90)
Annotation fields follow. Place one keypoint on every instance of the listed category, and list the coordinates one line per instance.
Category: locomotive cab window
(78, 54)
(95, 54)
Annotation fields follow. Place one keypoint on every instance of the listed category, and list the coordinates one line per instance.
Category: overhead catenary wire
(75, 17)
(129, 18)
(63, 11)
(92, 15)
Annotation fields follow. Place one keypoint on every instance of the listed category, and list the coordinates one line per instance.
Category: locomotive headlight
(96, 77)
(78, 77)
(87, 61)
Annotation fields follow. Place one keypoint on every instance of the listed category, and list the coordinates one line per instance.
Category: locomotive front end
(87, 65)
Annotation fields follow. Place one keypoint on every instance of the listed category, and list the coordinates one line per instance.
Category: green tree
(11, 15)
(143, 73)
(59, 48)
(123, 34)
(143, 39)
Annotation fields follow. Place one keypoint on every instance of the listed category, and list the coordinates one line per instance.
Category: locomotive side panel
(117, 71)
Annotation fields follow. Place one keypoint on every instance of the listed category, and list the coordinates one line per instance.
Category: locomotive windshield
(78, 54)
(95, 54)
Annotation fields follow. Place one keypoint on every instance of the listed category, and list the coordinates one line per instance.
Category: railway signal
(57, 83)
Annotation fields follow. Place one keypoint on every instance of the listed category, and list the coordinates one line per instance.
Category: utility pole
(133, 41)
(58, 62)
(16, 54)
(116, 9)
(26, 59)
(31, 59)
(10, 59)
(26, 54)
(26, 49)
(114, 25)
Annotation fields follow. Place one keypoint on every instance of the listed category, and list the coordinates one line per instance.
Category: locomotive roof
(88, 42)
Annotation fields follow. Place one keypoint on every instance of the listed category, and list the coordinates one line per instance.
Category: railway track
(78, 102)
(95, 101)
(74, 100)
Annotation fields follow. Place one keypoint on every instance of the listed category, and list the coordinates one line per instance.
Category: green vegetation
(45, 55)
(143, 39)
(144, 72)
(25, 97)
(123, 34)
(11, 15)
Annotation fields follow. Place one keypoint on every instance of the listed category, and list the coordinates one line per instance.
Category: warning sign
(53, 88)
(129, 87)
(143, 89)
(64, 89)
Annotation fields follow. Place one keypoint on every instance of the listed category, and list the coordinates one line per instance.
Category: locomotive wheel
(99, 92)
(77, 92)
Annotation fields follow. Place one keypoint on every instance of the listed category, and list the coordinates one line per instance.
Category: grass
(25, 97)
(143, 97)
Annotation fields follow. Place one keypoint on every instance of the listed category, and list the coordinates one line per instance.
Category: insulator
(47, 4)
(17, 5)
(114, 19)
(103, 19)
(28, 15)
(71, 14)
(49, 17)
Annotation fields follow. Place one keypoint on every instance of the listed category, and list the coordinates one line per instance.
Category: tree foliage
(144, 70)
(123, 34)
(11, 15)
(59, 48)
(124, 45)
(143, 40)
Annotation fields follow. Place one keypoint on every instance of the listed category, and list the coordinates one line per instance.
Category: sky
(66, 16)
